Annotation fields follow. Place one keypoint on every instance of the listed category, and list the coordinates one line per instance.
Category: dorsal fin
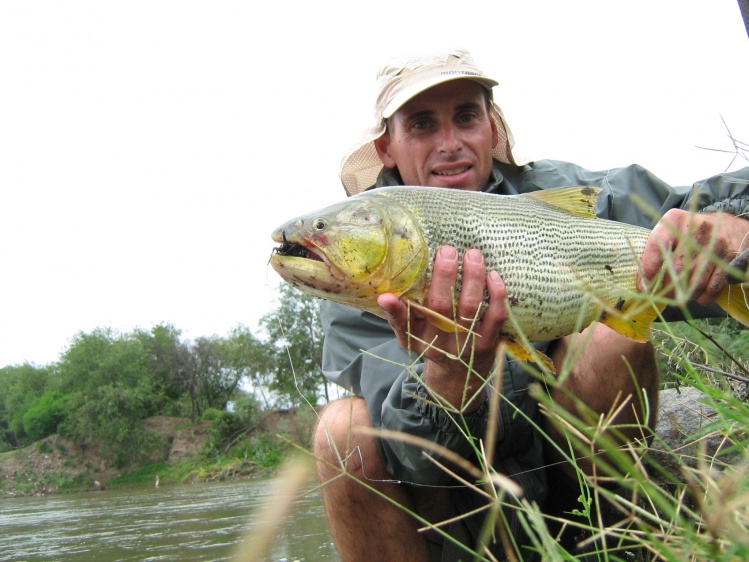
(576, 200)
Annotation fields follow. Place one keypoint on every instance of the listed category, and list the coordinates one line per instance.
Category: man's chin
(456, 182)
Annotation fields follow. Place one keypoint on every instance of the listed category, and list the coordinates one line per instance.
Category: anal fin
(522, 353)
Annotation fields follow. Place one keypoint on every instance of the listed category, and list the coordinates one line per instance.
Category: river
(202, 522)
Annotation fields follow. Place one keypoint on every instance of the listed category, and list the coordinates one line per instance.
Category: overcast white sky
(148, 149)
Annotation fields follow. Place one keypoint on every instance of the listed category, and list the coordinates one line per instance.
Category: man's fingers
(396, 312)
(444, 277)
(472, 289)
(496, 313)
(652, 258)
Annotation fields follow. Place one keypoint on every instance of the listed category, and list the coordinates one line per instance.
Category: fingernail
(474, 256)
(494, 278)
(448, 253)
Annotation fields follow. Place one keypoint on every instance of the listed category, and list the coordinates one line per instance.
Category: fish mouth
(296, 250)
(300, 264)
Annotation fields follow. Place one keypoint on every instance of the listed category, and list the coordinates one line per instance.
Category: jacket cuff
(447, 422)
(735, 205)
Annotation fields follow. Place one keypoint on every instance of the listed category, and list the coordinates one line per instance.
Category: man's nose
(450, 140)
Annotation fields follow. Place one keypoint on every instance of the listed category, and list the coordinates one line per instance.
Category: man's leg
(364, 525)
(602, 380)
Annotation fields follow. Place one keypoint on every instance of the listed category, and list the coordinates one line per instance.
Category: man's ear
(382, 145)
(495, 133)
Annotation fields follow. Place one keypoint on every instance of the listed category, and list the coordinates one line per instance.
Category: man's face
(442, 138)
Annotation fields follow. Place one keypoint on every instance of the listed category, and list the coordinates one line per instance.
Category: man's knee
(338, 445)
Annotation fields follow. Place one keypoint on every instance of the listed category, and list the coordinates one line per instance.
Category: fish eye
(319, 224)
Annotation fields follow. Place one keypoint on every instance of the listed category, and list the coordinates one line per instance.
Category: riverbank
(57, 465)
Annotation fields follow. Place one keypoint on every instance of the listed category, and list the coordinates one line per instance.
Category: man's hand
(445, 375)
(689, 239)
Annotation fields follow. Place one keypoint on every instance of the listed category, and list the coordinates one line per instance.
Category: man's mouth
(451, 171)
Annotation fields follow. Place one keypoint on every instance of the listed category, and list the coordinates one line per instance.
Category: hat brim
(425, 84)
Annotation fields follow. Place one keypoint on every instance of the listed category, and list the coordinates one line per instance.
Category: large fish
(563, 267)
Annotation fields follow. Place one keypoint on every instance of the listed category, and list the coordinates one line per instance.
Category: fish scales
(551, 261)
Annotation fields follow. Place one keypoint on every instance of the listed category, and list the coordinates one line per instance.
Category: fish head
(352, 251)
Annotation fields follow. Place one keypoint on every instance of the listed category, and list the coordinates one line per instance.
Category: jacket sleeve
(361, 354)
(637, 196)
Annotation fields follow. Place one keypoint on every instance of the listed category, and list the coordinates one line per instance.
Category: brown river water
(200, 522)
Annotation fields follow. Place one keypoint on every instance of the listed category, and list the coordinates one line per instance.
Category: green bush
(227, 427)
(45, 415)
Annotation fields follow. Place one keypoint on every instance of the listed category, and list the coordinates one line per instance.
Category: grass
(701, 513)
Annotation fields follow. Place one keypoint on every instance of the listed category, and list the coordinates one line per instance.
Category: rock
(683, 414)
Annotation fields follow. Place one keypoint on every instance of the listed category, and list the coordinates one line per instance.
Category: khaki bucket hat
(399, 81)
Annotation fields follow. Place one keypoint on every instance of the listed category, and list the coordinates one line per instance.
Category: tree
(295, 336)
(252, 360)
(110, 390)
(213, 374)
(170, 364)
(21, 386)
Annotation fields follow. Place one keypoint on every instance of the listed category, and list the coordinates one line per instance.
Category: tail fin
(735, 301)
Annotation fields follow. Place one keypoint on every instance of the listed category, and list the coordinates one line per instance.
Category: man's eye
(466, 117)
(419, 125)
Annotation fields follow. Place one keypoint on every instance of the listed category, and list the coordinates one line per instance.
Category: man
(437, 125)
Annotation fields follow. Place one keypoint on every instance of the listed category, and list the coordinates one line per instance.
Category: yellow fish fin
(576, 200)
(436, 319)
(522, 353)
(630, 321)
(735, 301)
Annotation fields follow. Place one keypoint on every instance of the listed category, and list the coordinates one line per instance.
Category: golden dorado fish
(563, 267)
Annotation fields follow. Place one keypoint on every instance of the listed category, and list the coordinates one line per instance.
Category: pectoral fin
(436, 319)
(518, 351)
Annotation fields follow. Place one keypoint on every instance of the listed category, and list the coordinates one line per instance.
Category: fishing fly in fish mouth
(295, 250)
(563, 267)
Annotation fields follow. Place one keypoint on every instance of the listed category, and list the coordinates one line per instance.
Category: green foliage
(110, 390)
(295, 349)
(216, 374)
(168, 359)
(145, 475)
(716, 347)
(267, 450)
(45, 415)
(20, 387)
(227, 428)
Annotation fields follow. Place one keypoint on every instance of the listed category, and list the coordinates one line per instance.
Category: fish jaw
(315, 278)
